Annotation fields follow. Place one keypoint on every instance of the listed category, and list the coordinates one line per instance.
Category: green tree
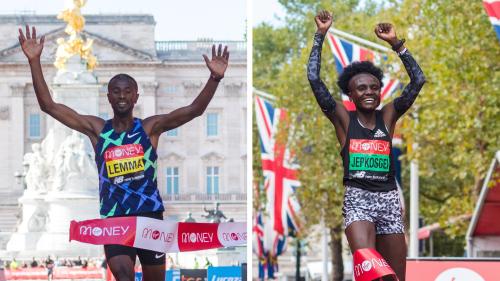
(457, 129)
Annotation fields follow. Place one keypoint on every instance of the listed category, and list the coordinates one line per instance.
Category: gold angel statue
(75, 44)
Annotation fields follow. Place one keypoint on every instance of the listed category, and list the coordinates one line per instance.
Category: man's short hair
(355, 68)
(123, 76)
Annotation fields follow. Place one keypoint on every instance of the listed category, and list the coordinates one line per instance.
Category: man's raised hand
(31, 48)
(323, 21)
(218, 64)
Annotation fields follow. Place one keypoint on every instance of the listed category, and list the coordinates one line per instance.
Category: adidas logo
(379, 134)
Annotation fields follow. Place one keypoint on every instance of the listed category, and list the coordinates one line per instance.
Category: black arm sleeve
(323, 97)
(417, 81)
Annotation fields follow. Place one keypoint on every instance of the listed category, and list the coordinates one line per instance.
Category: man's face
(122, 95)
(364, 91)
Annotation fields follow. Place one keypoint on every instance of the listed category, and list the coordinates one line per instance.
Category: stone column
(147, 98)
(16, 152)
(83, 98)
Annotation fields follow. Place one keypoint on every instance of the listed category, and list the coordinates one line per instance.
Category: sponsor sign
(231, 235)
(193, 274)
(369, 265)
(224, 273)
(158, 235)
(170, 275)
(198, 236)
(456, 270)
(369, 146)
(124, 159)
(102, 232)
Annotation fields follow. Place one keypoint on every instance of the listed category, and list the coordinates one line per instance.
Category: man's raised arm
(158, 124)
(86, 124)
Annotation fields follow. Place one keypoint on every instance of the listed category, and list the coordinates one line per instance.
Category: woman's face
(364, 91)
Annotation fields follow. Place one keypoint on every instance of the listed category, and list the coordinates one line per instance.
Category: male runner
(372, 209)
(125, 150)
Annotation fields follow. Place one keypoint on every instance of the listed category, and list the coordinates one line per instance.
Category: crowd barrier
(40, 273)
(456, 269)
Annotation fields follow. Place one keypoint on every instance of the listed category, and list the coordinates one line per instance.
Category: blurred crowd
(48, 263)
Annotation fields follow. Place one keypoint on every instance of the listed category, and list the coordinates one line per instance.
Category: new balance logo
(379, 134)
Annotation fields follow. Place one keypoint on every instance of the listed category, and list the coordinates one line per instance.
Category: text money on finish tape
(159, 235)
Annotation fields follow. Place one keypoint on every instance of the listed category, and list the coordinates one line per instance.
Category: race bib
(124, 160)
(369, 155)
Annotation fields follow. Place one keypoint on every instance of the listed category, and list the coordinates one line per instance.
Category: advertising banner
(40, 273)
(159, 235)
(172, 275)
(193, 274)
(224, 273)
(456, 270)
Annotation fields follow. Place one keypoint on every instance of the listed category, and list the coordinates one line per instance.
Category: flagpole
(414, 209)
(297, 263)
(359, 40)
(264, 94)
(324, 250)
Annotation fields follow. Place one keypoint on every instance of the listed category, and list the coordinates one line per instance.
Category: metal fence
(202, 197)
(166, 46)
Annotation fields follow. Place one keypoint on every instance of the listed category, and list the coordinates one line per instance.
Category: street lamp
(20, 176)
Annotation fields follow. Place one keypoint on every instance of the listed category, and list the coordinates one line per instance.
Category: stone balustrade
(203, 197)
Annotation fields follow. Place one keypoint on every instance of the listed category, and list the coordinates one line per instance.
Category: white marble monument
(61, 179)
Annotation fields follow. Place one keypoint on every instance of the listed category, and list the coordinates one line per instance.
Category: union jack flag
(492, 8)
(280, 182)
(280, 173)
(346, 52)
(265, 264)
(258, 235)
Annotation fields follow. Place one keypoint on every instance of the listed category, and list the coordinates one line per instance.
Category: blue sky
(266, 11)
(175, 20)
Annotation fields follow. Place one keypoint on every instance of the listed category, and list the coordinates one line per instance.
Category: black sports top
(367, 156)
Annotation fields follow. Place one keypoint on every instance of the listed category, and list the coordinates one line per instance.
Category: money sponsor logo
(123, 151)
(201, 237)
(234, 236)
(155, 234)
(103, 231)
(369, 146)
(367, 265)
